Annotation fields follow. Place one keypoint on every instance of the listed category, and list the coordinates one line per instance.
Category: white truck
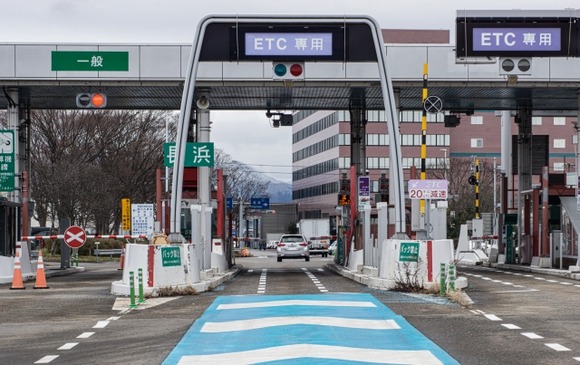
(317, 232)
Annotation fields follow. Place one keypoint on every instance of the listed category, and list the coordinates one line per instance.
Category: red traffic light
(288, 70)
(91, 100)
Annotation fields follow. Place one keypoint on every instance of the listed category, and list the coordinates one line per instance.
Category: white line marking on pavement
(577, 358)
(113, 318)
(47, 359)
(251, 270)
(539, 278)
(68, 346)
(557, 347)
(85, 335)
(250, 324)
(284, 303)
(321, 270)
(565, 283)
(510, 326)
(344, 354)
(552, 281)
(578, 286)
(101, 324)
(492, 317)
(531, 335)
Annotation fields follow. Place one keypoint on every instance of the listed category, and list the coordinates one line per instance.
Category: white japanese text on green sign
(197, 154)
(170, 256)
(7, 160)
(409, 252)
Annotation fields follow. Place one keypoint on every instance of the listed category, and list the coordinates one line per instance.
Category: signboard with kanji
(170, 256)
(7, 161)
(197, 154)
(409, 252)
(428, 189)
(126, 214)
(364, 191)
(142, 219)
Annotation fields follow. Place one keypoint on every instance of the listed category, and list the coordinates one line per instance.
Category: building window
(477, 143)
(559, 143)
(476, 119)
(344, 139)
(559, 166)
(344, 162)
(559, 120)
(536, 120)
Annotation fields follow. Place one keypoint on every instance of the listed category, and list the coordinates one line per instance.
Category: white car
(293, 246)
(332, 248)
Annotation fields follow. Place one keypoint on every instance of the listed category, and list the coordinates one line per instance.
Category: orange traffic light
(91, 100)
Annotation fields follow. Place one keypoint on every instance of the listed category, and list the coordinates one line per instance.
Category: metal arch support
(386, 88)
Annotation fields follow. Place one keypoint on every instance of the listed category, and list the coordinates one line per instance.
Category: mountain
(279, 191)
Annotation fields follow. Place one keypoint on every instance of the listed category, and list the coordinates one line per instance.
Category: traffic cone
(17, 282)
(40, 276)
(122, 260)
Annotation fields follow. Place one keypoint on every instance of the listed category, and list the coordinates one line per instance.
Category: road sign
(428, 189)
(260, 203)
(89, 61)
(75, 237)
(197, 154)
(7, 160)
(433, 104)
(364, 191)
(229, 203)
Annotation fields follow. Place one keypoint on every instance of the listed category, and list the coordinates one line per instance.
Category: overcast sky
(247, 136)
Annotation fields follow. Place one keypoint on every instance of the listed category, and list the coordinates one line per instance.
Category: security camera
(202, 102)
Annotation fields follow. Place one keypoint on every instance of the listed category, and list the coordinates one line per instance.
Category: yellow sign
(126, 214)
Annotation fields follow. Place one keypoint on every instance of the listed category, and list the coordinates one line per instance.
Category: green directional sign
(7, 162)
(90, 61)
(197, 154)
(170, 256)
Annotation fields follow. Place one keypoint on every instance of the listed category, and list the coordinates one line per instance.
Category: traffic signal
(288, 70)
(515, 66)
(472, 180)
(343, 199)
(91, 100)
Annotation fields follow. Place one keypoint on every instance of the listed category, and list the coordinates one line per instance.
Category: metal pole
(140, 278)
(442, 280)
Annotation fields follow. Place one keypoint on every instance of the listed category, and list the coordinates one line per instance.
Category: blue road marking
(304, 329)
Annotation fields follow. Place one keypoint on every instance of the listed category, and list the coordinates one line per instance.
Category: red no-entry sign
(75, 237)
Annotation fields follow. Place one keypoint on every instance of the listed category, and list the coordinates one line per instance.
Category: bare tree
(84, 162)
(242, 181)
(462, 194)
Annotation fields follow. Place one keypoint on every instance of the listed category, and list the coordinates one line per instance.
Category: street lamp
(445, 161)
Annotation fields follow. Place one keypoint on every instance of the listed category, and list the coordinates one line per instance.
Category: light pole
(445, 161)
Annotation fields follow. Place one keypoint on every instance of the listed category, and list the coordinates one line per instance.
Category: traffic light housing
(515, 66)
(288, 70)
(91, 100)
(343, 199)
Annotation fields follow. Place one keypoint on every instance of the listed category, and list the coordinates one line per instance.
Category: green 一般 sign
(7, 162)
(197, 154)
(89, 61)
(409, 252)
(170, 256)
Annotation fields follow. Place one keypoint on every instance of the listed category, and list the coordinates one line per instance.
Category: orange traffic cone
(122, 260)
(17, 282)
(40, 276)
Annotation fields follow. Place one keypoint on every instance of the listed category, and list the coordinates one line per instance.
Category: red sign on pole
(75, 237)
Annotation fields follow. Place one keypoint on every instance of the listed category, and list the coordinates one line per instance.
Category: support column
(525, 241)
(204, 188)
(358, 161)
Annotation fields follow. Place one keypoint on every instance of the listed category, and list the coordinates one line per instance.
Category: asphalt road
(516, 318)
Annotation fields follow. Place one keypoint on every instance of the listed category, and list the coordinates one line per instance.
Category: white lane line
(85, 335)
(101, 324)
(510, 326)
(577, 358)
(321, 270)
(113, 318)
(506, 283)
(578, 286)
(564, 283)
(46, 359)
(552, 281)
(68, 346)
(557, 347)
(284, 303)
(531, 335)
(251, 270)
(539, 278)
(529, 276)
(492, 317)
(251, 324)
(289, 352)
